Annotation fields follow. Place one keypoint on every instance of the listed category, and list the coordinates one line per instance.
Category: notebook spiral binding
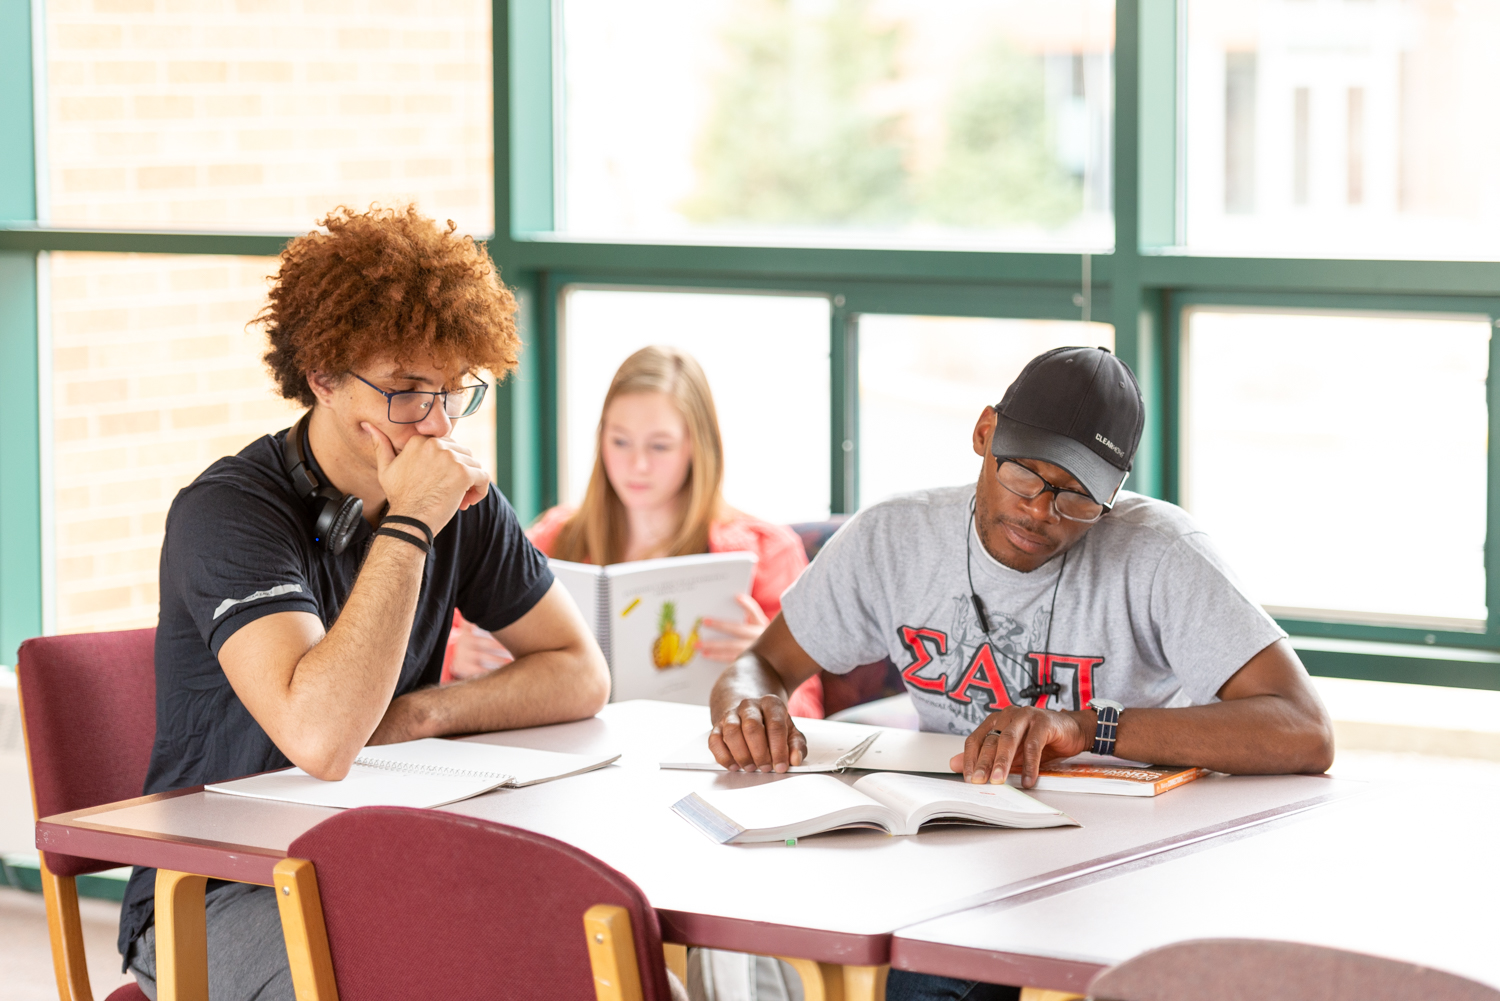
(442, 771)
(602, 620)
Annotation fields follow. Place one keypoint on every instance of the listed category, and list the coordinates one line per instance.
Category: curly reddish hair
(387, 283)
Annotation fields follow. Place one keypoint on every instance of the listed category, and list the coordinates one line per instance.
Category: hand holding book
(739, 633)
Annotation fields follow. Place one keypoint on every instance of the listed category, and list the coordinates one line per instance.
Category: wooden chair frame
(611, 943)
(60, 893)
(181, 932)
(831, 982)
(606, 927)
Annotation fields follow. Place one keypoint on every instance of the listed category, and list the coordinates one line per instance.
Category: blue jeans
(906, 986)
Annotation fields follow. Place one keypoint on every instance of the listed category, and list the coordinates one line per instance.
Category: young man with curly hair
(308, 583)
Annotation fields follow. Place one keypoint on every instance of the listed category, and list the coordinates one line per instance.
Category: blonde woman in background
(656, 490)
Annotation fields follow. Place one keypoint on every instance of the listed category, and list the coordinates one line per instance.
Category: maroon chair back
(420, 903)
(89, 709)
(1254, 970)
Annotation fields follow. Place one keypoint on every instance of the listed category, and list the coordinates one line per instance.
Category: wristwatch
(1107, 723)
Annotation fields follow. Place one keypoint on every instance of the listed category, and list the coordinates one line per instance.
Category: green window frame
(1141, 287)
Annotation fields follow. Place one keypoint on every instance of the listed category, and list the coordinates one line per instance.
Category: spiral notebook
(418, 773)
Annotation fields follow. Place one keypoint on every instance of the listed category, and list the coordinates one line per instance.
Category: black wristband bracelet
(401, 519)
(392, 533)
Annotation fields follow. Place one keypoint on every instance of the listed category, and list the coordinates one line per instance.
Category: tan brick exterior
(155, 376)
(260, 114)
(264, 115)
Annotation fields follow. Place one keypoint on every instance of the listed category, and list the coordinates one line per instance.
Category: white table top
(833, 897)
(1402, 872)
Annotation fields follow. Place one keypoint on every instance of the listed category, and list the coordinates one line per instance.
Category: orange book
(1110, 776)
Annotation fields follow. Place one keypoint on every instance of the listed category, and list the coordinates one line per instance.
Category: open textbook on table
(800, 805)
(418, 773)
(647, 616)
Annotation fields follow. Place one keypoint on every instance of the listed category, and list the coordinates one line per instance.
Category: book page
(911, 751)
(919, 798)
(656, 611)
(418, 773)
(363, 786)
(514, 766)
(832, 746)
(781, 807)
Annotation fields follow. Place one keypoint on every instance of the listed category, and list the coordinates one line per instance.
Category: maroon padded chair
(1231, 969)
(419, 903)
(88, 710)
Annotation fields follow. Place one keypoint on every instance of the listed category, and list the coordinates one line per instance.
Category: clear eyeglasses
(1071, 504)
(412, 406)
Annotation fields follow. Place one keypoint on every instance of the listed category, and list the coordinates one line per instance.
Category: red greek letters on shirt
(983, 673)
(915, 641)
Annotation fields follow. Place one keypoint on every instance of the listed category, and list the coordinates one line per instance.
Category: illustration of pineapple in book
(670, 648)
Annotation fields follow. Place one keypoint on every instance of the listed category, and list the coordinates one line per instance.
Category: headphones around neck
(337, 514)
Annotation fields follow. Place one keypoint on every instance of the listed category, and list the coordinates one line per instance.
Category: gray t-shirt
(1147, 613)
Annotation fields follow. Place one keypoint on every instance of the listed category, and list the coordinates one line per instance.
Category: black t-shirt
(239, 546)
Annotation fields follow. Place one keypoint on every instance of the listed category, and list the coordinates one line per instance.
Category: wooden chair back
(388, 902)
(1255, 969)
(88, 712)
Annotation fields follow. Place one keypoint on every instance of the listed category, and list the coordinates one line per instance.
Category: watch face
(1105, 704)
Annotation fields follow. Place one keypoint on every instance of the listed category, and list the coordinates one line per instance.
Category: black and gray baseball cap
(1078, 408)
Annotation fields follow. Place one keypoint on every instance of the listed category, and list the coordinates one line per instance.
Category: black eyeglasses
(1024, 482)
(412, 406)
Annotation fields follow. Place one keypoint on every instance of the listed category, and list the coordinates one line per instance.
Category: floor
(26, 963)
(26, 957)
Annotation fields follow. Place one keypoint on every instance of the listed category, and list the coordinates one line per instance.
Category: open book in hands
(794, 807)
(646, 616)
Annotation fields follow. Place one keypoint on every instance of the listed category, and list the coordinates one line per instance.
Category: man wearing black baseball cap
(1042, 612)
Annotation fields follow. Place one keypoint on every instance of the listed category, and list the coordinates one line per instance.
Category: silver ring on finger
(994, 733)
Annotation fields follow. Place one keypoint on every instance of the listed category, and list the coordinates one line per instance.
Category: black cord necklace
(1036, 689)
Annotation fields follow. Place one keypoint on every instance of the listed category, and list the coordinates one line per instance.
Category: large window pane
(1339, 460)
(1331, 128)
(155, 375)
(965, 123)
(923, 381)
(263, 116)
(766, 358)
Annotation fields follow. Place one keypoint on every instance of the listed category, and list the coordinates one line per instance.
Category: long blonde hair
(597, 531)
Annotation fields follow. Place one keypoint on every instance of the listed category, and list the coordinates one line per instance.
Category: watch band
(1106, 724)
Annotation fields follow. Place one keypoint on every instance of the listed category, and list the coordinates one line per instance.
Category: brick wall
(263, 114)
(155, 376)
(221, 114)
